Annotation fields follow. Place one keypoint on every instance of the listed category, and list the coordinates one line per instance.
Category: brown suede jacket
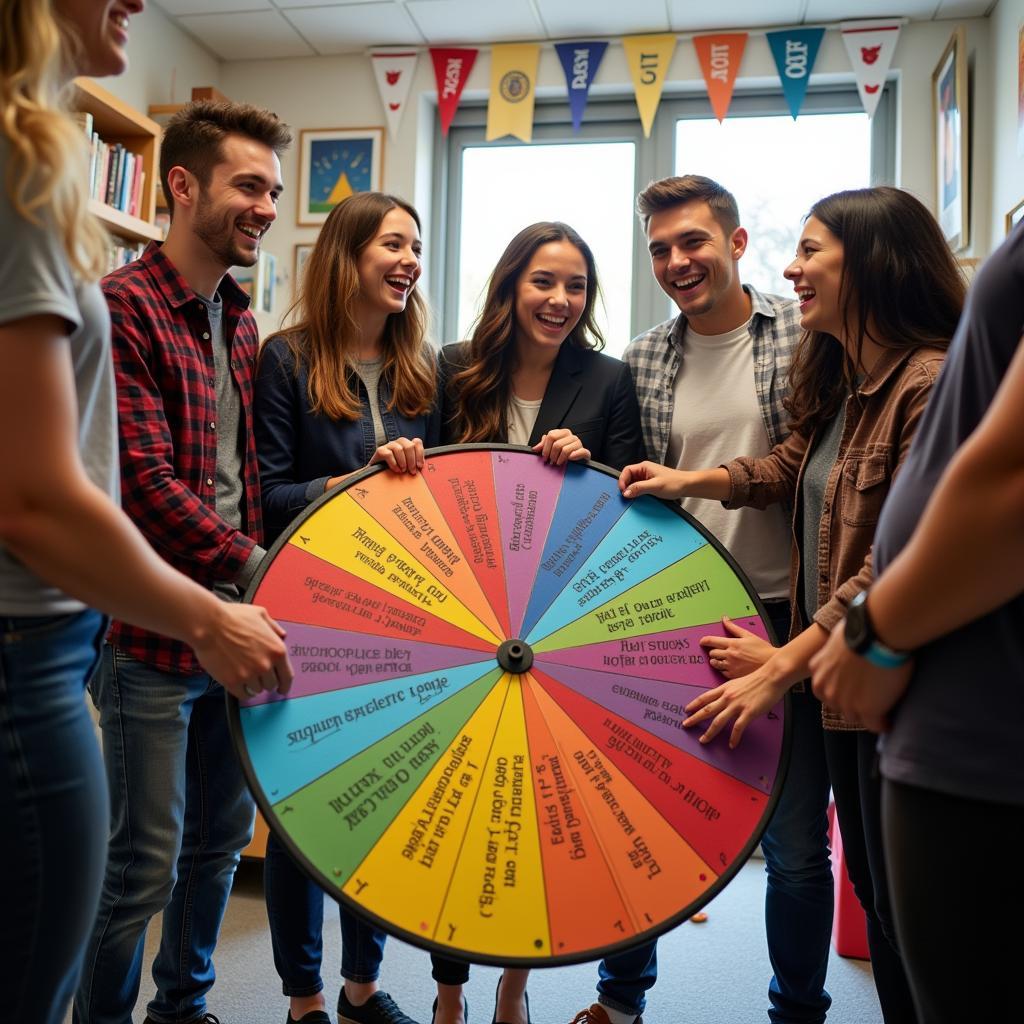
(880, 424)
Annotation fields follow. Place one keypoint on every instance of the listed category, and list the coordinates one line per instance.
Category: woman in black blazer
(532, 373)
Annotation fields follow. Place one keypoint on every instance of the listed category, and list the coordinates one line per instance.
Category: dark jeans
(53, 805)
(957, 893)
(295, 909)
(180, 815)
(799, 893)
(857, 789)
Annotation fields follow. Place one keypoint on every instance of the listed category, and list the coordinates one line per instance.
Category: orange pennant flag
(720, 57)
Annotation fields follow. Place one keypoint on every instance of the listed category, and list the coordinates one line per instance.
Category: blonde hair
(46, 176)
(324, 326)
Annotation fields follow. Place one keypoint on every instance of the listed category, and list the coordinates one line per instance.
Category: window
(776, 167)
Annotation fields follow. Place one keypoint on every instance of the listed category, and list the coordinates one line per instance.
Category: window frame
(616, 120)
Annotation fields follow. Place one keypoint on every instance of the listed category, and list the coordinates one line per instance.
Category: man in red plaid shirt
(185, 346)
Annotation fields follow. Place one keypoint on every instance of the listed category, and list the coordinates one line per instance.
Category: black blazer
(589, 393)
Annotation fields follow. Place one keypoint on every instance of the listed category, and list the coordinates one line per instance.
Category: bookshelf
(115, 122)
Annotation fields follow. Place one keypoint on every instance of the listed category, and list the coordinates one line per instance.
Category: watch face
(858, 628)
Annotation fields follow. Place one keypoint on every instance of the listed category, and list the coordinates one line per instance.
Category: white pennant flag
(394, 71)
(870, 45)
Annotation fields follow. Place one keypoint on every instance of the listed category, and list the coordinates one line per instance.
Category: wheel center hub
(515, 656)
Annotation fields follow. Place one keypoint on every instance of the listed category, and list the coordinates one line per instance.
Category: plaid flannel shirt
(655, 358)
(167, 408)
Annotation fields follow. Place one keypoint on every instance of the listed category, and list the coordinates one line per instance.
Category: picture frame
(1015, 216)
(302, 251)
(950, 122)
(259, 282)
(1020, 90)
(335, 163)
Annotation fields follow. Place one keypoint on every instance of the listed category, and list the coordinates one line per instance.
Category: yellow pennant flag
(648, 58)
(513, 89)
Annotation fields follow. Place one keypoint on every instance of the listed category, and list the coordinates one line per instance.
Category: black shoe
(207, 1018)
(380, 1008)
(526, 999)
(465, 1010)
(313, 1017)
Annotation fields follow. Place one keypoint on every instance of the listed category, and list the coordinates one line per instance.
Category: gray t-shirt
(35, 279)
(369, 371)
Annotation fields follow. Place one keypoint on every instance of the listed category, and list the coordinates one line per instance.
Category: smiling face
(551, 294)
(694, 259)
(817, 275)
(235, 210)
(100, 31)
(390, 264)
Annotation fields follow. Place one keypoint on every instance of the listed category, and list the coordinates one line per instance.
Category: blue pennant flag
(580, 62)
(795, 51)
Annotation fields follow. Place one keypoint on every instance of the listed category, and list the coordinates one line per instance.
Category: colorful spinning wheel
(482, 750)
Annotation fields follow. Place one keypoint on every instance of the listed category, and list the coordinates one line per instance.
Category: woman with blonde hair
(65, 546)
(351, 383)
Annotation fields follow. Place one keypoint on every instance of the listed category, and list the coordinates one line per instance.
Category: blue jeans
(53, 805)
(295, 909)
(180, 816)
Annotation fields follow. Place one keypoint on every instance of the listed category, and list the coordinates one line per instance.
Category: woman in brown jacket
(880, 295)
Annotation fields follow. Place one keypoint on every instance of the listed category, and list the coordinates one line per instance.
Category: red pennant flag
(720, 57)
(451, 70)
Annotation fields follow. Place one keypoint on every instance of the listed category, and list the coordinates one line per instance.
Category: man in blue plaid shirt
(711, 383)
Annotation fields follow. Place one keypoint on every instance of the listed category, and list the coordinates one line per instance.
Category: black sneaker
(313, 1017)
(207, 1018)
(380, 1008)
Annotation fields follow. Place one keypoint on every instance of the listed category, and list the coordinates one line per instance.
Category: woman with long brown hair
(880, 296)
(350, 383)
(532, 373)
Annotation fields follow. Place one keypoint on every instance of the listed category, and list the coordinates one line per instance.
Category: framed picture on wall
(335, 163)
(302, 251)
(1015, 216)
(949, 96)
(1020, 90)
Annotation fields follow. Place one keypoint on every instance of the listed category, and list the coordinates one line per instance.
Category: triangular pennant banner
(871, 45)
(648, 58)
(451, 70)
(795, 51)
(513, 90)
(394, 72)
(580, 62)
(720, 57)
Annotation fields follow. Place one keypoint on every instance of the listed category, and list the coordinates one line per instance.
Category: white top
(716, 417)
(522, 416)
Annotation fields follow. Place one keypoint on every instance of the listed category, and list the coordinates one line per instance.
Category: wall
(1006, 185)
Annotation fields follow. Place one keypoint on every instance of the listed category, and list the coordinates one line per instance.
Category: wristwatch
(861, 638)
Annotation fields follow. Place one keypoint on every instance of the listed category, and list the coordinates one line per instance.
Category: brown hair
(480, 393)
(47, 171)
(193, 137)
(670, 192)
(900, 288)
(325, 326)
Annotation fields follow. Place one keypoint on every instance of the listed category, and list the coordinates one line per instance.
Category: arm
(66, 531)
(981, 495)
(171, 516)
(742, 700)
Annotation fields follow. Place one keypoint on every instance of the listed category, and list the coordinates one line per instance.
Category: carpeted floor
(712, 973)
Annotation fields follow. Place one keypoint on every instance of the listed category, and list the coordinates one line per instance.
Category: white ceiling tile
(287, 4)
(178, 7)
(827, 11)
(964, 9)
(352, 28)
(699, 15)
(565, 19)
(471, 21)
(257, 36)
